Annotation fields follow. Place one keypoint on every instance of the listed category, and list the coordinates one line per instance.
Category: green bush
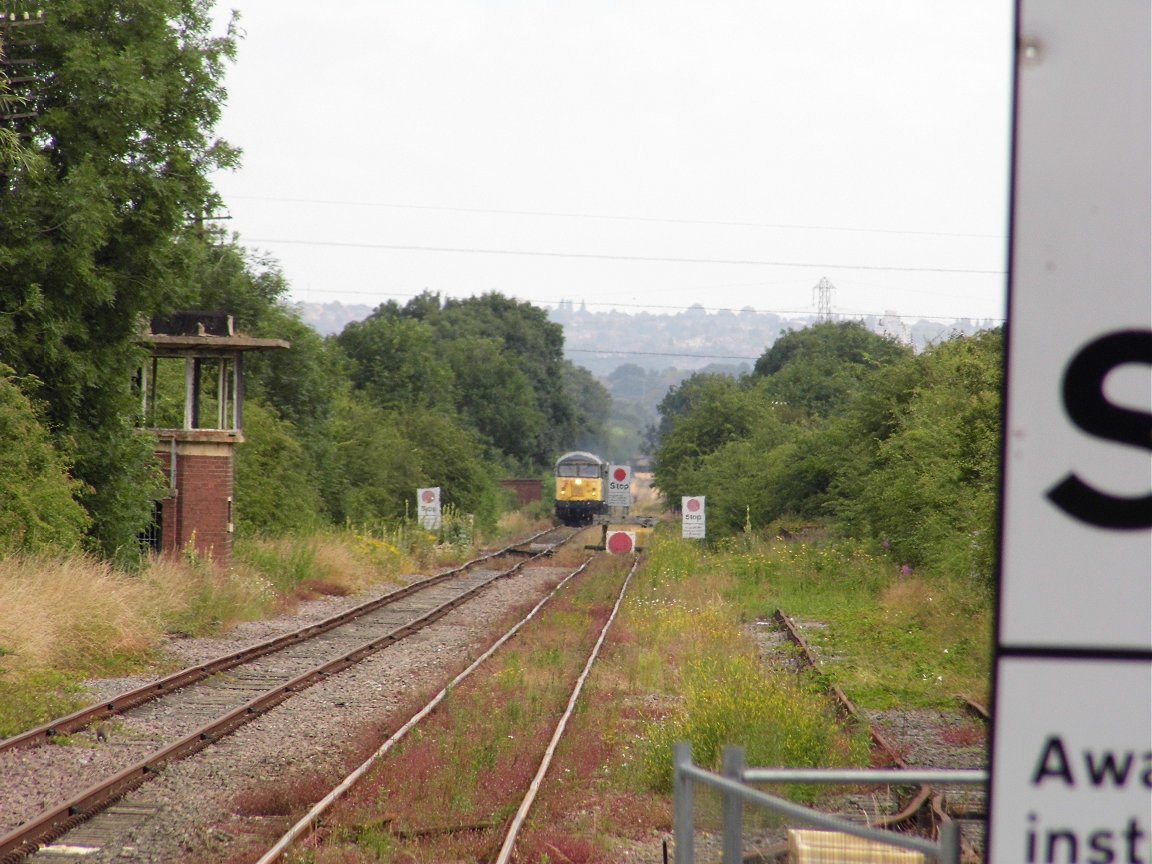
(38, 496)
(382, 457)
(929, 489)
(275, 490)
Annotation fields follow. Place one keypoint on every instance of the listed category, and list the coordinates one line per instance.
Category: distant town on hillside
(689, 340)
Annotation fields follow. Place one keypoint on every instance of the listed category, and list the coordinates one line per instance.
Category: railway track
(509, 832)
(926, 808)
(139, 735)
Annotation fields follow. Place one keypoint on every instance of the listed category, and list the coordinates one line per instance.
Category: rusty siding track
(53, 823)
(846, 705)
(926, 798)
(975, 708)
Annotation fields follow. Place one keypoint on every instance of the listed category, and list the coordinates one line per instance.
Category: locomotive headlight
(579, 482)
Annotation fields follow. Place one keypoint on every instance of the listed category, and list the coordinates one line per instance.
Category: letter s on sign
(1089, 408)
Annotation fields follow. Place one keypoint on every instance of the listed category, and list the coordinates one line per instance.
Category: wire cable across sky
(670, 259)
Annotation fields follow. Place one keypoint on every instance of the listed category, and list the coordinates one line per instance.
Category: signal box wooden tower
(196, 435)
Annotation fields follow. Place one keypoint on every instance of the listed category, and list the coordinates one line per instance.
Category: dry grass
(65, 619)
(517, 523)
(60, 613)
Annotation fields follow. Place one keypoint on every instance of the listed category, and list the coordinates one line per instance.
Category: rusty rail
(53, 823)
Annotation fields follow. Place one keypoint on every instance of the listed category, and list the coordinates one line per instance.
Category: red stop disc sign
(694, 504)
(620, 475)
(619, 543)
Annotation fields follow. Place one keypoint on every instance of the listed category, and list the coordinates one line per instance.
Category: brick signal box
(193, 401)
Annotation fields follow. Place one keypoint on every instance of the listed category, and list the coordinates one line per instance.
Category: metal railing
(731, 783)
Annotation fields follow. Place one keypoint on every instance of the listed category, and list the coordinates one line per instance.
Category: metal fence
(735, 793)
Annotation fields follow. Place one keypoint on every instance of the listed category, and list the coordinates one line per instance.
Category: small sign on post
(428, 508)
(692, 521)
(620, 542)
(619, 491)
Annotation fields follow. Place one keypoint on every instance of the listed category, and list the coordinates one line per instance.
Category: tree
(498, 361)
(125, 95)
(38, 508)
(704, 415)
(396, 361)
(929, 488)
(817, 369)
(593, 408)
(382, 457)
(495, 396)
(276, 490)
(538, 348)
(13, 152)
(682, 399)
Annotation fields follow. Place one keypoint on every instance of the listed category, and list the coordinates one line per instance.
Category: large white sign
(1072, 764)
(428, 507)
(619, 491)
(1072, 734)
(693, 526)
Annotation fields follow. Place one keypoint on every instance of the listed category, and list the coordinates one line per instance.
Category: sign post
(620, 542)
(428, 508)
(1072, 731)
(693, 525)
(619, 491)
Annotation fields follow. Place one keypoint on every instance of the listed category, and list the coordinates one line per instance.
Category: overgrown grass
(687, 646)
(898, 637)
(681, 667)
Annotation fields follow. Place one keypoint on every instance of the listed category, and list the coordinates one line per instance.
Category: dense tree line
(97, 212)
(839, 425)
(104, 194)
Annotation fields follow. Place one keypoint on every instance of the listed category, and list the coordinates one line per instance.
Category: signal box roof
(201, 334)
(207, 346)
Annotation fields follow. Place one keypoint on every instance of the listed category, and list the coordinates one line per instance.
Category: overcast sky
(642, 154)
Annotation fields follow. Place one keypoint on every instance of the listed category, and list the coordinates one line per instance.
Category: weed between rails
(447, 791)
(900, 639)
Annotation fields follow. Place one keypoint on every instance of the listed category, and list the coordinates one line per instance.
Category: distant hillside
(328, 319)
(687, 341)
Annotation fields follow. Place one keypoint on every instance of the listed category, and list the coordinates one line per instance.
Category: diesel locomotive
(581, 481)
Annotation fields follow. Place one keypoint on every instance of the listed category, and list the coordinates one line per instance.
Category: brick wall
(200, 511)
(526, 491)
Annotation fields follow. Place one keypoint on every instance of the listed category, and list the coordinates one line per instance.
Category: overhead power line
(611, 217)
(657, 354)
(406, 247)
(682, 308)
